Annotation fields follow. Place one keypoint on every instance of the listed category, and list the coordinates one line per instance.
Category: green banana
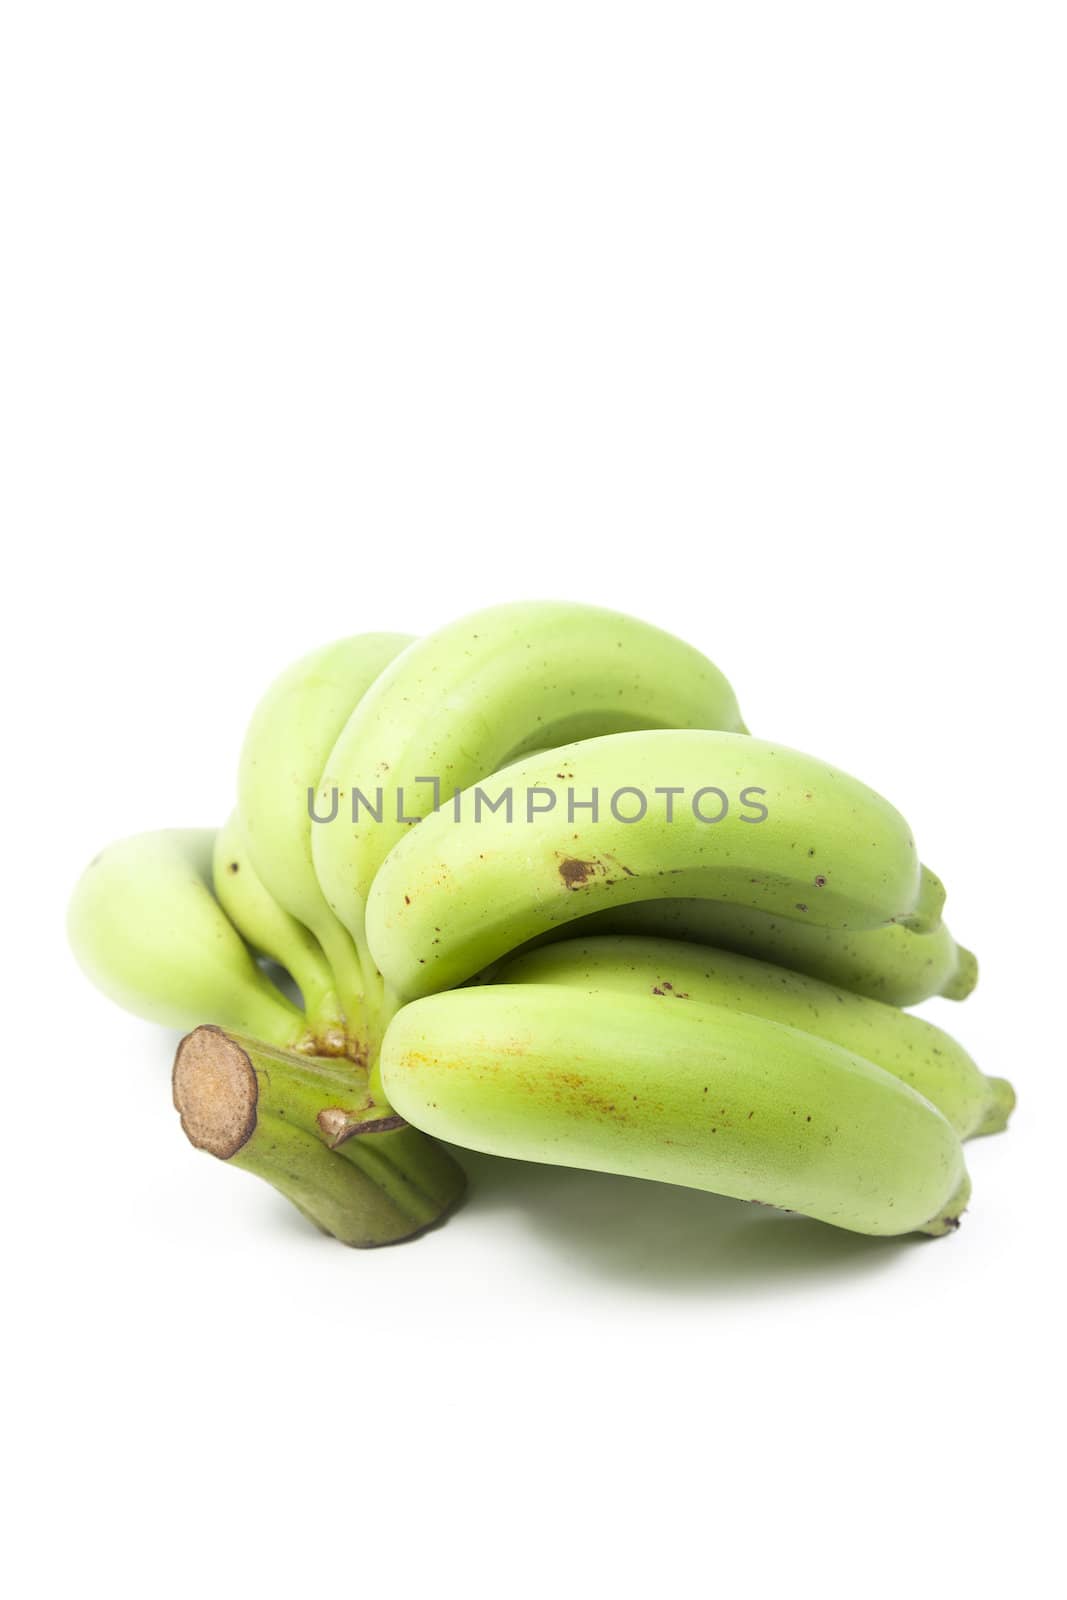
(908, 1047)
(272, 932)
(147, 929)
(455, 895)
(459, 704)
(289, 738)
(696, 1095)
(891, 963)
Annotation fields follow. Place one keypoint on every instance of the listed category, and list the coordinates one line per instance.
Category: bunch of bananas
(625, 935)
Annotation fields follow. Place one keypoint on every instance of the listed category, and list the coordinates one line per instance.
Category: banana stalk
(251, 1085)
(312, 1129)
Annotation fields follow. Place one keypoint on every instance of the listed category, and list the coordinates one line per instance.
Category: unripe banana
(892, 963)
(292, 731)
(914, 1050)
(695, 1095)
(260, 920)
(147, 929)
(462, 702)
(453, 896)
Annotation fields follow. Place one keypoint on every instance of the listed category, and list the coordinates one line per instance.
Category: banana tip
(948, 1220)
(965, 977)
(1000, 1107)
(926, 913)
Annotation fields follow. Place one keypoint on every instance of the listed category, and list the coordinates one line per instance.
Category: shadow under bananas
(657, 1237)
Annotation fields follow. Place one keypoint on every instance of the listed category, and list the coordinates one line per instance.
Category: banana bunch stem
(313, 1129)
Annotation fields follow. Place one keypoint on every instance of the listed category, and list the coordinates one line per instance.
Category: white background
(320, 318)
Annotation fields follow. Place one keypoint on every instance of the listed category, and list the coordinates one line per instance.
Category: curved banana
(892, 963)
(147, 929)
(694, 1095)
(462, 702)
(260, 920)
(790, 835)
(908, 1047)
(291, 733)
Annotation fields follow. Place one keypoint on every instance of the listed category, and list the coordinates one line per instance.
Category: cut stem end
(308, 1126)
(215, 1092)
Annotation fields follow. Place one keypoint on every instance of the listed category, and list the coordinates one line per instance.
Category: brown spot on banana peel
(629, 871)
(574, 872)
